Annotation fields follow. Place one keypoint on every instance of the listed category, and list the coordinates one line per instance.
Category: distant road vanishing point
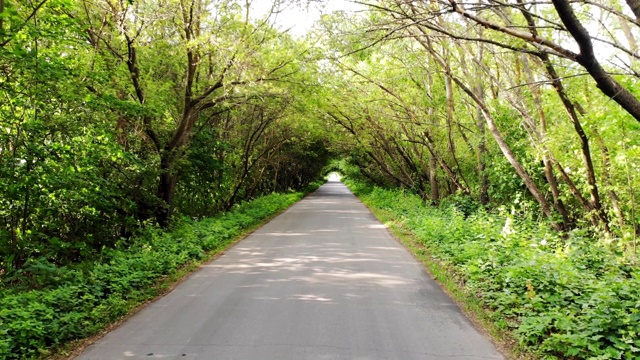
(324, 280)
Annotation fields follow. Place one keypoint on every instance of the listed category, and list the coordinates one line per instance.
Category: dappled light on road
(323, 280)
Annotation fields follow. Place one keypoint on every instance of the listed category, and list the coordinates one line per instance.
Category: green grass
(77, 302)
(541, 295)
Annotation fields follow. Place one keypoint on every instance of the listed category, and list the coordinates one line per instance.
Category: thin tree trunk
(548, 165)
(606, 83)
(166, 189)
(495, 132)
(450, 143)
(433, 164)
(570, 108)
(481, 152)
(613, 197)
(433, 180)
(626, 30)
(448, 87)
(635, 7)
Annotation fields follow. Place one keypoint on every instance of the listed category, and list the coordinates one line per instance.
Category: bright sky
(300, 17)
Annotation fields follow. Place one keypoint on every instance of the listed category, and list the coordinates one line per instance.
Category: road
(324, 280)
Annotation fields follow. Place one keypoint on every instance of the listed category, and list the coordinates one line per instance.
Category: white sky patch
(298, 19)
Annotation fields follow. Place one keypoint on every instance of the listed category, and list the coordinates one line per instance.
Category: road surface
(324, 280)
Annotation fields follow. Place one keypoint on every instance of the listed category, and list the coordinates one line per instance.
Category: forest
(510, 128)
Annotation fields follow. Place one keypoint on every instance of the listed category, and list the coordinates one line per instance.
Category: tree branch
(33, 13)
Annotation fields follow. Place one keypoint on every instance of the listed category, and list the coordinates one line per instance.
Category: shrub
(563, 298)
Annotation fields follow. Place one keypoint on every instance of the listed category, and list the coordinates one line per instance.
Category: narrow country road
(324, 280)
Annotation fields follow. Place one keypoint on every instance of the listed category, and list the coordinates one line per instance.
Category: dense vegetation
(562, 297)
(118, 116)
(518, 164)
(76, 301)
(447, 103)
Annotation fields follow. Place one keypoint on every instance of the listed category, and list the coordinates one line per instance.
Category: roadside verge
(86, 301)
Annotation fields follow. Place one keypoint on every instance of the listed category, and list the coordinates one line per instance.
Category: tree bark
(166, 189)
(1, 18)
(605, 82)
(635, 8)
(481, 152)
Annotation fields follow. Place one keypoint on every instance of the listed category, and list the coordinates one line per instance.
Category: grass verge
(449, 280)
(539, 294)
(81, 303)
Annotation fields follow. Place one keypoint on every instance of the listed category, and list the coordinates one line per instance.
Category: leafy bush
(569, 298)
(77, 302)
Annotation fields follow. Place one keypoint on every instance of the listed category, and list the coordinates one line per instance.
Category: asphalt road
(324, 280)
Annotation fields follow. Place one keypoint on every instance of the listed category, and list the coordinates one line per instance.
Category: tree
(115, 109)
(515, 74)
(218, 62)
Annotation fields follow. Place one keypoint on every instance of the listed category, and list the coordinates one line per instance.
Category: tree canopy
(119, 114)
(118, 117)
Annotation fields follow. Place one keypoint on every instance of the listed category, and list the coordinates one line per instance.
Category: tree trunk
(1, 19)
(433, 180)
(448, 87)
(481, 150)
(631, 39)
(481, 153)
(573, 116)
(433, 162)
(548, 165)
(605, 82)
(613, 197)
(506, 150)
(166, 189)
(635, 7)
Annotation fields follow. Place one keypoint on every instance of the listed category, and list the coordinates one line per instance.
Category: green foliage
(462, 203)
(77, 301)
(95, 144)
(563, 297)
(113, 117)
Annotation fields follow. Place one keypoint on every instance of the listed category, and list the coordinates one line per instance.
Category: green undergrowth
(561, 298)
(78, 302)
